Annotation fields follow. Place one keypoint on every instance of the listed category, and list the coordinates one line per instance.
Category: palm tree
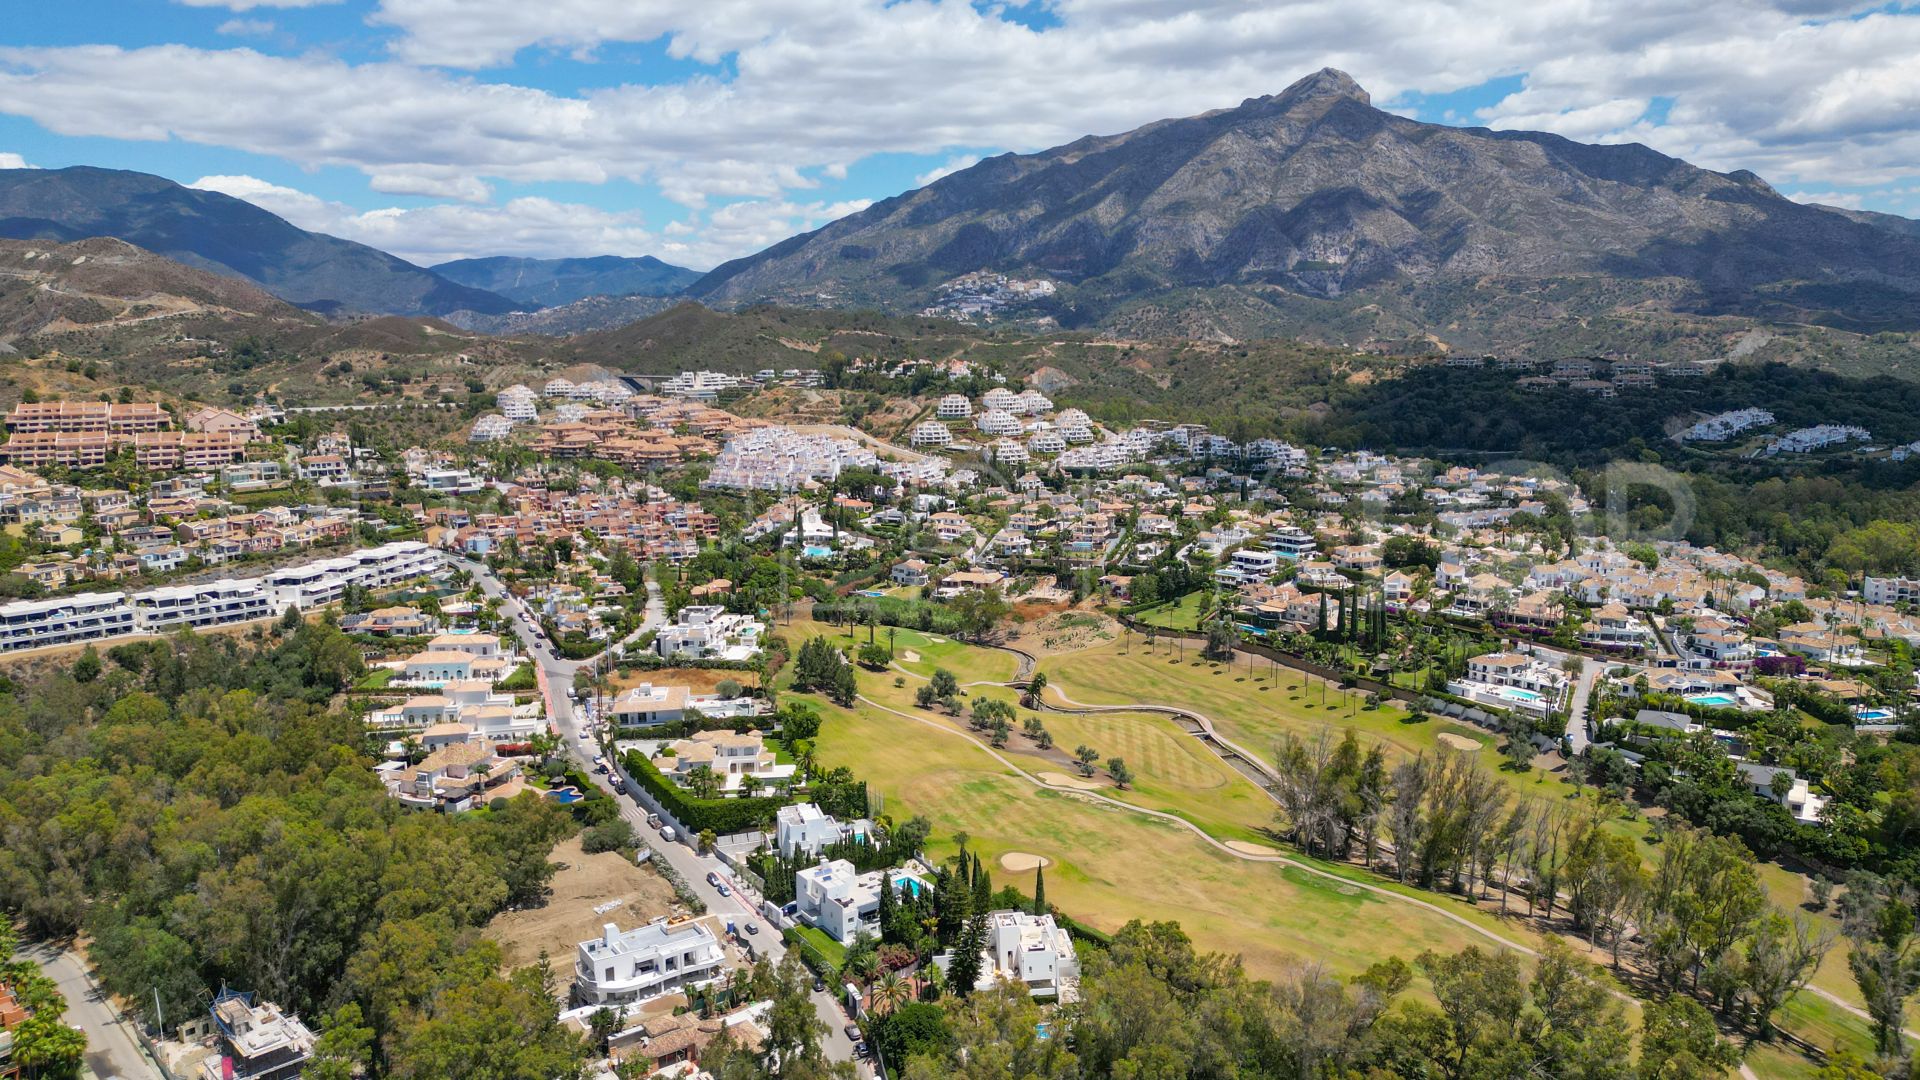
(890, 992)
(933, 982)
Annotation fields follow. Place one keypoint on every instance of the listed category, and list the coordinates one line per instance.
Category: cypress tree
(982, 889)
(885, 913)
(1040, 890)
(1323, 613)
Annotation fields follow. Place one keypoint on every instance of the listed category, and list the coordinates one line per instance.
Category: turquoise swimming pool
(1714, 701)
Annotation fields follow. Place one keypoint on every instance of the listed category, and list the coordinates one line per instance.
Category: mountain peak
(1325, 83)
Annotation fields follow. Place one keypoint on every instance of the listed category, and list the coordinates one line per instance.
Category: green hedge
(721, 815)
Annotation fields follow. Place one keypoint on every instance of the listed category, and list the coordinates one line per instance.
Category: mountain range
(544, 283)
(217, 232)
(1307, 206)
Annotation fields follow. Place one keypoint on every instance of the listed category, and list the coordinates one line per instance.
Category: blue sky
(446, 128)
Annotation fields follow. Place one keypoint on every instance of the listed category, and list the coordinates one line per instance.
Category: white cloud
(946, 168)
(249, 5)
(14, 161)
(245, 27)
(1850, 199)
(537, 227)
(1738, 84)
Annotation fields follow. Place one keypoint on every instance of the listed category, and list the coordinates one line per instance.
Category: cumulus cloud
(536, 227)
(14, 161)
(946, 168)
(245, 27)
(1809, 93)
(249, 5)
(1851, 200)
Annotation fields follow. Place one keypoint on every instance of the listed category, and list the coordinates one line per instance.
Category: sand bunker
(1245, 848)
(1023, 860)
(1063, 780)
(909, 656)
(1457, 742)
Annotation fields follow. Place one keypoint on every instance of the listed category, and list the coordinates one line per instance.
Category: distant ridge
(227, 235)
(543, 283)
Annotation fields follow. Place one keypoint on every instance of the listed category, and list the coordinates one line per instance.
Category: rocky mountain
(1311, 212)
(541, 283)
(226, 235)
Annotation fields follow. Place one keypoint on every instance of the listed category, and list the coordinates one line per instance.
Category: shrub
(607, 836)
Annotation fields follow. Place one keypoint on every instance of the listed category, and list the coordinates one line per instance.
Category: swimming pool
(1873, 716)
(817, 551)
(871, 592)
(1514, 693)
(1716, 701)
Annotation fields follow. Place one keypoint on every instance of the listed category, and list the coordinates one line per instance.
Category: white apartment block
(667, 954)
(492, 427)
(518, 404)
(31, 624)
(932, 433)
(1047, 442)
(1891, 590)
(1725, 425)
(215, 603)
(997, 422)
(954, 407)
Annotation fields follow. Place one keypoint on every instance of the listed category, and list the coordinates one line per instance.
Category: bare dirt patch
(699, 680)
(583, 883)
(1068, 630)
(1245, 848)
(1023, 860)
(1063, 780)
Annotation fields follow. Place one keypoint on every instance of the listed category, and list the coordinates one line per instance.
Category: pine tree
(1040, 890)
(955, 900)
(963, 971)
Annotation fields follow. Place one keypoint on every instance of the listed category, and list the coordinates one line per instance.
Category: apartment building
(32, 624)
(188, 449)
(87, 416)
(214, 603)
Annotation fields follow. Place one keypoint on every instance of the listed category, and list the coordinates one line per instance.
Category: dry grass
(583, 883)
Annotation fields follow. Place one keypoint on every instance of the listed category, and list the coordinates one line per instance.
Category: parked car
(713, 878)
(752, 927)
(819, 985)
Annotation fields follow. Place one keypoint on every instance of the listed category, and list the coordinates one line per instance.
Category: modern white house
(803, 829)
(709, 631)
(841, 902)
(667, 954)
(1028, 950)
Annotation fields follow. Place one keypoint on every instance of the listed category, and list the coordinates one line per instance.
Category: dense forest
(194, 807)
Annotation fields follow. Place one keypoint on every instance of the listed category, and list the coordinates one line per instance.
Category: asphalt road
(111, 1048)
(692, 866)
